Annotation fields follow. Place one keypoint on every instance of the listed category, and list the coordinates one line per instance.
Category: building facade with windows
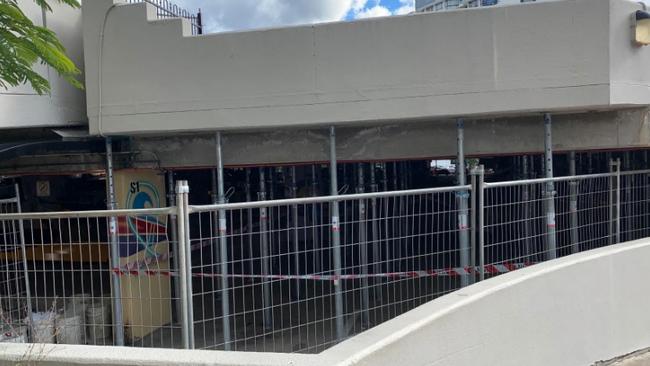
(440, 5)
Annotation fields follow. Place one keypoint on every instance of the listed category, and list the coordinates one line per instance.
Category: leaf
(23, 44)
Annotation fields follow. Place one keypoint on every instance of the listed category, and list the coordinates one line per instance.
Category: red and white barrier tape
(448, 272)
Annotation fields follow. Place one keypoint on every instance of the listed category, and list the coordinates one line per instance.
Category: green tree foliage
(23, 44)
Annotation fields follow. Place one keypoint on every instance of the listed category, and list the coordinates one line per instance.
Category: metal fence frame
(627, 218)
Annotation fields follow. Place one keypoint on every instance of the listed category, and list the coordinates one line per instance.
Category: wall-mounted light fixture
(642, 28)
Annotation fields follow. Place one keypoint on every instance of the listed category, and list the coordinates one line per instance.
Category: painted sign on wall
(142, 240)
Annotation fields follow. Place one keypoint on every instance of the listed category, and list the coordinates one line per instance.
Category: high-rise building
(440, 5)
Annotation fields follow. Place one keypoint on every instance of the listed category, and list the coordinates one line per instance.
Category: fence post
(473, 213)
(185, 264)
(336, 239)
(23, 252)
(614, 201)
(478, 189)
(573, 204)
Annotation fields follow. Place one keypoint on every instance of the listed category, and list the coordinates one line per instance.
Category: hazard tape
(447, 272)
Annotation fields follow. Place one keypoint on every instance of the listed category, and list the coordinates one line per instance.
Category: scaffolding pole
(171, 202)
(264, 241)
(118, 333)
(550, 188)
(463, 234)
(628, 187)
(223, 246)
(336, 238)
(573, 204)
(363, 246)
(374, 232)
(296, 243)
(315, 232)
(615, 202)
(525, 195)
(249, 221)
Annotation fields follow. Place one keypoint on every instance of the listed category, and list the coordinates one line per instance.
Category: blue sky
(227, 15)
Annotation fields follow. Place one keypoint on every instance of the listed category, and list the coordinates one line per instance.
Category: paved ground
(638, 358)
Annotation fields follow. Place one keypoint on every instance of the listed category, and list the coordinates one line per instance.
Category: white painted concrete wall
(572, 311)
(21, 107)
(492, 61)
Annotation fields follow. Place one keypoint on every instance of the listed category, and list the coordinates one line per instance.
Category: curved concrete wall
(572, 311)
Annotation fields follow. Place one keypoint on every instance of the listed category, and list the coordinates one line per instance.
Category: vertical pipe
(573, 204)
(525, 195)
(363, 247)
(473, 209)
(618, 202)
(223, 246)
(249, 221)
(315, 221)
(23, 252)
(266, 286)
(182, 189)
(374, 231)
(118, 333)
(550, 188)
(171, 202)
(628, 184)
(296, 244)
(463, 234)
(481, 223)
(336, 238)
(615, 202)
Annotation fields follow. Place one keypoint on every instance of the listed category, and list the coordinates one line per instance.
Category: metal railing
(166, 9)
(269, 276)
(272, 266)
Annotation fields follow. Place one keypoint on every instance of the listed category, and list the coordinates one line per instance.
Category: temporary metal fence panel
(280, 274)
(635, 205)
(13, 291)
(67, 260)
(261, 276)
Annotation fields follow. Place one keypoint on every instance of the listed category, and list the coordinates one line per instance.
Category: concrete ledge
(50, 354)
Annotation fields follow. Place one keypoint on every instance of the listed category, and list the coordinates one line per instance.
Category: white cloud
(358, 5)
(406, 6)
(225, 15)
(220, 15)
(373, 12)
